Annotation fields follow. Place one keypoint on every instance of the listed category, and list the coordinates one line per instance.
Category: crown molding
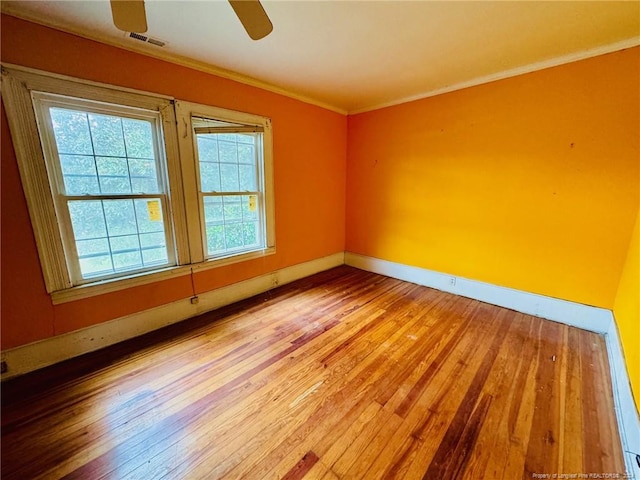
(151, 51)
(513, 72)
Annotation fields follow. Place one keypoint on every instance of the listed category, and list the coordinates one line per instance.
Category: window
(233, 184)
(106, 171)
(229, 164)
(119, 197)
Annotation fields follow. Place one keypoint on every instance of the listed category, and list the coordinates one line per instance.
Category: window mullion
(93, 152)
(106, 226)
(193, 207)
(224, 226)
(126, 156)
(135, 215)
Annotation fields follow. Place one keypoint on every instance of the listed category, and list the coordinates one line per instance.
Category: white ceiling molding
(552, 62)
(355, 56)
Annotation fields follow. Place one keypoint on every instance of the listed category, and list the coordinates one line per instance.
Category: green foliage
(116, 235)
(228, 165)
(227, 162)
(104, 154)
(229, 223)
(112, 155)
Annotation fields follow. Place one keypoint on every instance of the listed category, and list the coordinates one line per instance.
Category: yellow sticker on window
(252, 203)
(153, 209)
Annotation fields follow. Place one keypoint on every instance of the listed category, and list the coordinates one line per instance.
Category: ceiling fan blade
(129, 15)
(253, 18)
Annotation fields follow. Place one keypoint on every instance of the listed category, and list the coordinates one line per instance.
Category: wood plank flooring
(342, 375)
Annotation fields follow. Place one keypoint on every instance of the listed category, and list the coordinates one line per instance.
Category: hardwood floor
(342, 375)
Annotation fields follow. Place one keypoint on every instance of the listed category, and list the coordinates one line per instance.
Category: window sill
(135, 280)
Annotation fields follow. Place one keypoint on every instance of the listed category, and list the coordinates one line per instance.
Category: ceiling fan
(130, 16)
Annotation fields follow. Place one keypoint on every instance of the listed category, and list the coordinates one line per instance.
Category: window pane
(79, 174)
(227, 162)
(87, 219)
(246, 153)
(213, 210)
(78, 165)
(234, 235)
(149, 215)
(229, 178)
(126, 252)
(250, 207)
(215, 240)
(227, 151)
(251, 233)
(124, 244)
(154, 249)
(247, 178)
(109, 164)
(92, 248)
(127, 261)
(95, 266)
(214, 225)
(94, 256)
(113, 174)
(246, 138)
(231, 223)
(227, 137)
(232, 208)
(207, 148)
(210, 177)
(71, 130)
(138, 137)
(107, 135)
(120, 217)
(118, 235)
(144, 176)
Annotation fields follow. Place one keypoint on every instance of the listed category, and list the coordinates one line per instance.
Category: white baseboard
(594, 319)
(26, 358)
(578, 315)
(628, 421)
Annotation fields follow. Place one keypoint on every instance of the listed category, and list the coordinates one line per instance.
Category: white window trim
(17, 84)
(113, 285)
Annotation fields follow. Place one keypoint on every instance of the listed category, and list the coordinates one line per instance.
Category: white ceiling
(357, 55)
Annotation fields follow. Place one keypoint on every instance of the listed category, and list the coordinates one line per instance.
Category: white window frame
(185, 111)
(18, 83)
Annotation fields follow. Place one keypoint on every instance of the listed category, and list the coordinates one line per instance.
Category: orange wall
(627, 310)
(309, 170)
(531, 182)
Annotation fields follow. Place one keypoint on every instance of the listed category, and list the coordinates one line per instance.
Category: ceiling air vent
(145, 39)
